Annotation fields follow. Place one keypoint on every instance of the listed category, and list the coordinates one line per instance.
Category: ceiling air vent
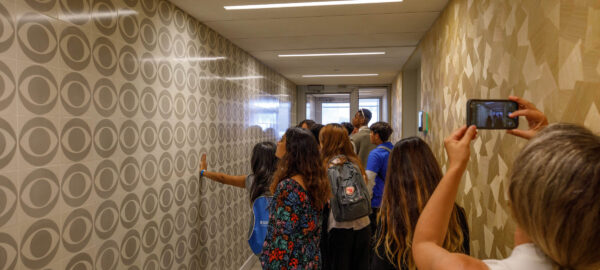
(316, 88)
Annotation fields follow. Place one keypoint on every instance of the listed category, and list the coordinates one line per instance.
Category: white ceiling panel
(395, 28)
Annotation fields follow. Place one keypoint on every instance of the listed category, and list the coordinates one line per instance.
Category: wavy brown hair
(412, 175)
(302, 158)
(335, 141)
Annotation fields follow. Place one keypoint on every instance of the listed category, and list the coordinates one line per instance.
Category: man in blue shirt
(377, 163)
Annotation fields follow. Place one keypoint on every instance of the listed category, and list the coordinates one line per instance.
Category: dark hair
(412, 175)
(315, 130)
(348, 126)
(366, 114)
(264, 165)
(308, 122)
(383, 129)
(302, 158)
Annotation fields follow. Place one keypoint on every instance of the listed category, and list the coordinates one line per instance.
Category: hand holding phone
(535, 118)
(492, 113)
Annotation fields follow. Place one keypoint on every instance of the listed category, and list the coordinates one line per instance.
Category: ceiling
(395, 28)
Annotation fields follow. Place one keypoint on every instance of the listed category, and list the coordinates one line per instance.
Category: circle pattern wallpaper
(105, 110)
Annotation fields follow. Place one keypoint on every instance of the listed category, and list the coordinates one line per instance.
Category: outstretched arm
(432, 226)
(232, 180)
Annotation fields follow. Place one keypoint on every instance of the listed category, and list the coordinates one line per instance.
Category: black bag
(350, 195)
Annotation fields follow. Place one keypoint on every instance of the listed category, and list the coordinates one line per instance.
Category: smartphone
(491, 113)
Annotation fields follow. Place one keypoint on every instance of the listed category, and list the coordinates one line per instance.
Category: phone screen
(492, 114)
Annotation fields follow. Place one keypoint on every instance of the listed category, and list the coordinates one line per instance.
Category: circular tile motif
(130, 210)
(165, 74)
(149, 136)
(181, 250)
(105, 24)
(7, 86)
(105, 97)
(129, 100)
(165, 166)
(165, 198)
(165, 12)
(75, 94)
(129, 137)
(150, 237)
(148, 68)
(39, 244)
(130, 247)
(77, 185)
(148, 102)
(81, 261)
(76, 139)
(37, 37)
(77, 230)
(128, 63)
(165, 41)
(130, 174)
(106, 178)
(107, 257)
(149, 203)
(75, 48)
(8, 197)
(38, 89)
(106, 219)
(149, 7)
(129, 27)
(180, 163)
(165, 135)
(192, 134)
(179, 76)
(167, 257)
(74, 11)
(192, 161)
(6, 24)
(105, 56)
(149, 170)
(8, 144)
(106, 138)
(148, 34)
(38, 141)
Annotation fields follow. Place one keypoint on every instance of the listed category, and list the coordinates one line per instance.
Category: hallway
(107, 107)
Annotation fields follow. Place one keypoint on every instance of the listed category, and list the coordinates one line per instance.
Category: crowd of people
(345, 197)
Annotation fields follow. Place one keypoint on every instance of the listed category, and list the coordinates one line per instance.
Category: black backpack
(350, 195)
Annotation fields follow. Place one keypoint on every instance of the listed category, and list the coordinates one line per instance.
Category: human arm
(370, 176)
(535, 118)
(232, 180)
(432, 226)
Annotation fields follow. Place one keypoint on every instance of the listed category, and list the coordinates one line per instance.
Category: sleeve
(373, 162)
(355, 143)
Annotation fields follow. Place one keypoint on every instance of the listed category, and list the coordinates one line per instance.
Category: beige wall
(105, 109)
(547, 51)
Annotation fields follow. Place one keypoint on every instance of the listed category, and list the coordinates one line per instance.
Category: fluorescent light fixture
(242, 78)
(331, 54)
(310, 4)
(340, 75)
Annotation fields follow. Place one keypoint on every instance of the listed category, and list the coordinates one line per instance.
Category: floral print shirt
(294, 230)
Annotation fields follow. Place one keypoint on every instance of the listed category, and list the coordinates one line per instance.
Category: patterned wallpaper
(545, 51)
(105, 108)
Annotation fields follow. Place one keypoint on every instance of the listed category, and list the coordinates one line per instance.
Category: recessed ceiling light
(310, 4)
(340, 75)
(330, 54)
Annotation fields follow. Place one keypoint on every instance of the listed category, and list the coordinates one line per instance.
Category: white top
(523, 257)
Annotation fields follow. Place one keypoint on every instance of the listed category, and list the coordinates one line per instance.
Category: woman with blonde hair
(413, 174)
(348, 240)
(553, 191)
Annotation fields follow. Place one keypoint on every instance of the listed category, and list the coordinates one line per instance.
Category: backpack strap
(385, 147)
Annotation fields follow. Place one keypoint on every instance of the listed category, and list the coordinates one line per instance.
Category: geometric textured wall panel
(105, 109)
(545, 51)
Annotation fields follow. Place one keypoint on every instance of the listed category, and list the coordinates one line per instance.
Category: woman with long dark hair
(263, 164)
(300, 190)
(348, 243)
(412, 176)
